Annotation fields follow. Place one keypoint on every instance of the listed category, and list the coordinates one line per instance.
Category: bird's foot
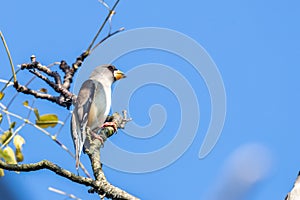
(96, 136)
(110, 124)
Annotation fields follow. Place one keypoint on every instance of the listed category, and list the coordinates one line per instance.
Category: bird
(92, 106)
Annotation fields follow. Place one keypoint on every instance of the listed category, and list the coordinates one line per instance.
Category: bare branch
(105, 38)
(44, 78)
(71, 196)
(94, 154)
(56, 86)
(111, 12)
(26, 90)
(45, 164)
(101, 187)
(64, 99)
(40, 67)
(104, 4)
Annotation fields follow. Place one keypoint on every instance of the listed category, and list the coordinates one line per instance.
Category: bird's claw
(110, 124)
(96, 136)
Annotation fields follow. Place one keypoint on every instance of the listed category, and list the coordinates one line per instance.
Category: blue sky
(255, 46)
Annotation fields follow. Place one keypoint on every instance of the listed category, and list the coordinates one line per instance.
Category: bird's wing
(80, 116)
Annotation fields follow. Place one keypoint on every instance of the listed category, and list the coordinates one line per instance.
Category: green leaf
(1, 95)
(47, 120)
(36, 112)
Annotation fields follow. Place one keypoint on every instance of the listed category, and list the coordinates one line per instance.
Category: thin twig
(103, 24)
(17, 93)
(110, 21)
(26, 90)
(36, 65)
(12, 135)
(53, 64)
(59, 130)
(44, 78)
(104, 4)
(72, 196)
(8, 83)
(9, 57)
(108, 36)
(53, 138)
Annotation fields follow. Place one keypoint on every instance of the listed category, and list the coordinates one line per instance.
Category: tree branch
(26, 90)
(111, 12)
(65, 98)
(45, 164)
(100, 185)
(94, 154)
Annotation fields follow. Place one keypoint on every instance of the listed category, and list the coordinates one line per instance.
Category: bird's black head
(116, 73)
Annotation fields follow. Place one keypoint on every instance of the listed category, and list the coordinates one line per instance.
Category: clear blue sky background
(255, 45)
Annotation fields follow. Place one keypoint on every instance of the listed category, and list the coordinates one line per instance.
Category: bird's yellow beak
(119, 74)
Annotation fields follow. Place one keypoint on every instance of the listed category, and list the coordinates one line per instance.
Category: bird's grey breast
(101, 104)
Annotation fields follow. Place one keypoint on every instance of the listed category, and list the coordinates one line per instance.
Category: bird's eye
(111, 68)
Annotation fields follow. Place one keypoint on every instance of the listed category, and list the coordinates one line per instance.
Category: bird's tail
(76, 135)
(77, 163)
